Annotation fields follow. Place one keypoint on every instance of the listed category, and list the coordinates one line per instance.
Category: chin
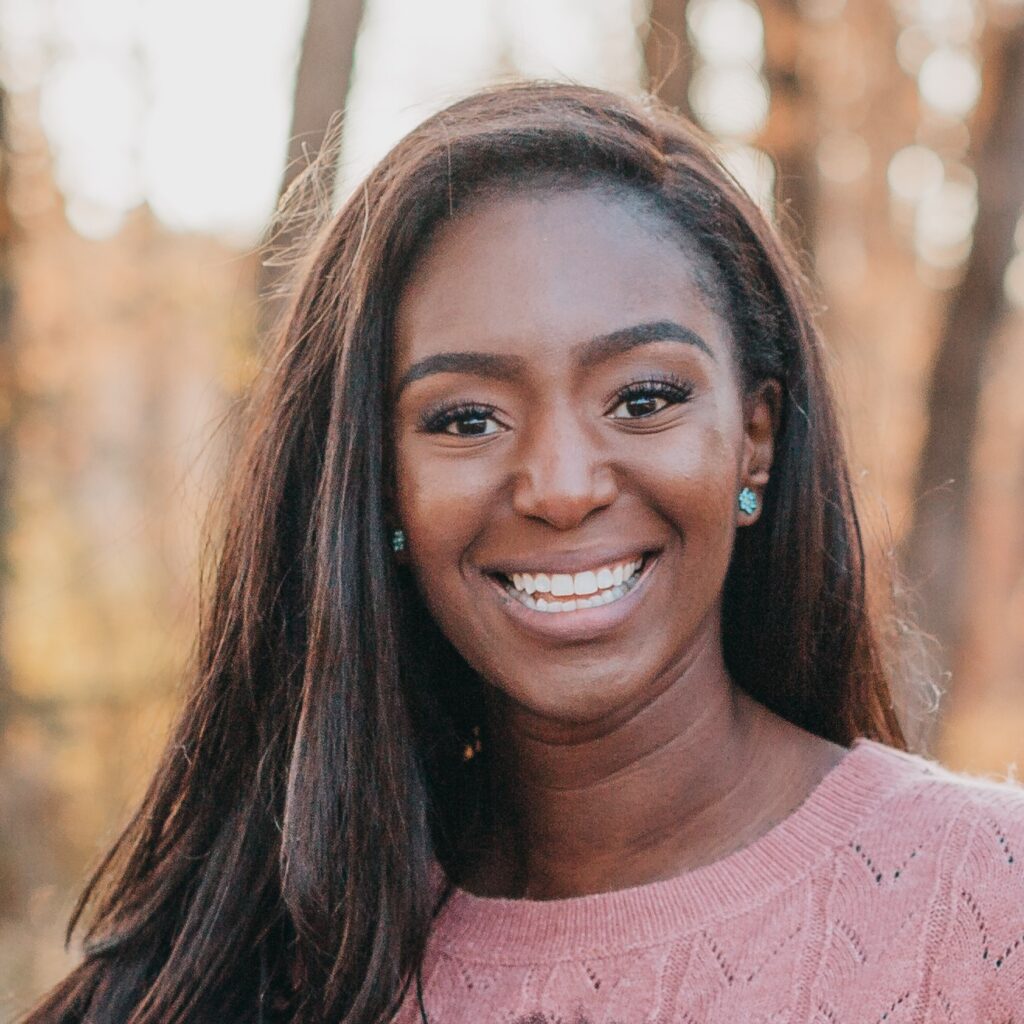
(584, 701)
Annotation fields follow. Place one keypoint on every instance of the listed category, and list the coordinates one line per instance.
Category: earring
(747, 501)
(470, 750)
(397, 540)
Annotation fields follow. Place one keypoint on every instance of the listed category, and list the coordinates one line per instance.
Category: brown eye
(649, 398)
(462, 421)
(472, 425)
(645, 405)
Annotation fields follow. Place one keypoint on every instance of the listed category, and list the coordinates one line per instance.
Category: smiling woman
(539, 681)
(597, 424)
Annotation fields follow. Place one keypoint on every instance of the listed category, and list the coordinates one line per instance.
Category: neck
(679, 781)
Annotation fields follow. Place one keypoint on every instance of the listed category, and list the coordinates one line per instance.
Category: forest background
(143, 144)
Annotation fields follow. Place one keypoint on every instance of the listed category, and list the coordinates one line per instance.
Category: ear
(762, 412)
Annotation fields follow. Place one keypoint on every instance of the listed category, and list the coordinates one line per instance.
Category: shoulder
(918, 788)
(975, 822)
(969, 830)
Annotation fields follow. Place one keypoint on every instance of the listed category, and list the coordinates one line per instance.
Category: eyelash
(673, 389)
(434, 421)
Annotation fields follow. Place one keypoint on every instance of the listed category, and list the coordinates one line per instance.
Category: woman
(539, 681)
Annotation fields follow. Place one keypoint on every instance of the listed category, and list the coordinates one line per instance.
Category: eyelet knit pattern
(893, 895)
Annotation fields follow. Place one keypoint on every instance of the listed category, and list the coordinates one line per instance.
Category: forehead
(536, 272)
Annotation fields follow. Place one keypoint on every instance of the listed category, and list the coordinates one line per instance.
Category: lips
(574, 605)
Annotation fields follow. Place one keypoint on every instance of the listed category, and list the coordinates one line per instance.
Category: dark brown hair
(279, 866)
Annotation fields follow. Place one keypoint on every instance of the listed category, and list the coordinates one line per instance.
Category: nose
(562, 476)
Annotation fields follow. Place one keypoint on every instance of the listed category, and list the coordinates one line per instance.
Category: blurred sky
(186, 104)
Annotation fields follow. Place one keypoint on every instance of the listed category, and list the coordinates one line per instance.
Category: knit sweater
(894, 893)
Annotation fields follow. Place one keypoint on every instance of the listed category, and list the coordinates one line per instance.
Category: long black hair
(280, 864)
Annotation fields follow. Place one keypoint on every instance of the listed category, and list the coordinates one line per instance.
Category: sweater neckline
(522, 929)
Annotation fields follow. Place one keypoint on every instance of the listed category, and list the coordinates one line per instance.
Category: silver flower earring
(747, 501)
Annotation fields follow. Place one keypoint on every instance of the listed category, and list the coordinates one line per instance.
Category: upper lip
(568, 562)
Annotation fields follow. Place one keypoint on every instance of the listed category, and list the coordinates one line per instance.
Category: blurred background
(143, 146)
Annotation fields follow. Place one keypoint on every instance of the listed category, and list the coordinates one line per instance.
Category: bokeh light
(727, 31)
(727, 93)
(913, 45)
(730, 101)
(945, 220)
(950, 81)
(914, 172)
(1013, 281)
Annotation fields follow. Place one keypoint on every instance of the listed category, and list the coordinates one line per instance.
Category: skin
(632, 756)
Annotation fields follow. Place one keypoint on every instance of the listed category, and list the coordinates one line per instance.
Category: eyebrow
(590, 353)
(605, 346)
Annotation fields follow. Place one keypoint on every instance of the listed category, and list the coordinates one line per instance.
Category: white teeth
(561, 585)
(584, 583)
(581, 584)
(590, 589)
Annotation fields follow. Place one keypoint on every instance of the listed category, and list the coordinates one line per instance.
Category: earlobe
(761, 421)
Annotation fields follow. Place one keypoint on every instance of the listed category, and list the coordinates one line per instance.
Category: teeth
(590, 589)
(561, 585)
(581, 584)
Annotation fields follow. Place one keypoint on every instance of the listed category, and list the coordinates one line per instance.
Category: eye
(462, 421)
(649, 397)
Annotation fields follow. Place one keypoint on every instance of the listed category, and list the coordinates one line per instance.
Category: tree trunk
(667, 54)
(321, 87)
(935, 548)
(8, 390)
(791, 133)
(11, 902)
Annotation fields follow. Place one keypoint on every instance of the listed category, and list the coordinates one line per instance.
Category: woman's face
(570, 441)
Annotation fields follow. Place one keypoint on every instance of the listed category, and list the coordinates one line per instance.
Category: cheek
(444, 503)
(694, 474)
(440, 495)
(693, 486)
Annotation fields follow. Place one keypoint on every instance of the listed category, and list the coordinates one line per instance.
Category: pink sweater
(894, 893)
